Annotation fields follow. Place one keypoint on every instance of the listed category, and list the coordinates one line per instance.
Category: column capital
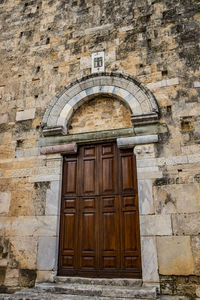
(145, 151)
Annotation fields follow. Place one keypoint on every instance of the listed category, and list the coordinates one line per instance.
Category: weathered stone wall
(100, 114)
(45, 45)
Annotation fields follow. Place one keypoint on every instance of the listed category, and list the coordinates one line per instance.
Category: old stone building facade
(146, 98)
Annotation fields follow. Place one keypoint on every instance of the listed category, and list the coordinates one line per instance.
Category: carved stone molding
(144, 151)
(129, 90)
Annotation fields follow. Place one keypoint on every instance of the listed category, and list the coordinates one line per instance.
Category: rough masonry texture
(152, 84)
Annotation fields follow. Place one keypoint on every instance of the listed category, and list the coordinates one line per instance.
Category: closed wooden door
(99, 228)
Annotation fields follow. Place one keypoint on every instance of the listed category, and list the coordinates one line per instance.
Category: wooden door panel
(68, 261)
(87, 232)
(99, 214)
(132, 262)
(89, 151)
(70, 171)
(88, 170)
(129, 238)
(109, 229)
(69, 204)
(108, 169)
(108, 175)
(69, 231)
(129, 202)
(69, 224)
(128, 174)
(89, 179)
(108, 149)
(109, 235)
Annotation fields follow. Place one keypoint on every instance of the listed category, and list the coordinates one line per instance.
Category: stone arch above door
(133, 93)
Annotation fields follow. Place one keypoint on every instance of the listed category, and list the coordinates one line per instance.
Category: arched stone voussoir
(124, 87)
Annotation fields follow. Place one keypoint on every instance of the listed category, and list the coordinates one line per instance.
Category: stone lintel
(86, 137)
(130, 142)
(66, 148)
(53, 131)
(145, 119)
(150, 129)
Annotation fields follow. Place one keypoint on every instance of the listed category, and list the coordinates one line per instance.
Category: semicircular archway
(127, 89)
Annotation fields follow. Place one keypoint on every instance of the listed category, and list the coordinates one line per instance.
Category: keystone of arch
(133, 93)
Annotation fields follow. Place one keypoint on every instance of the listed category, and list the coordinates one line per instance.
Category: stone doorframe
(145, 116)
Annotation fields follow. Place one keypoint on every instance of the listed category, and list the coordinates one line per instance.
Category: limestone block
(34, 226)
(47, 253)
(163, 83)
(155, 225)
(3, 263)
(176, 160)
(195, 158)
(191, 150)
(53, 199)
(98, 29)
(77, 100)
(74, 90)
(40, 178)
(147, 163)
(145, 197)
(196, 253)
(5, 226)
(54, 162)
(48, 170)
(2, 91)
(126, 28)
(24, 250)
(135, 106)
(196, 84)
(110, 57)
(4, 202)
(12, 277)
(3, 118)
(145, 106)
(198, 292)
(66, 111)
(186, 224)
(149, 169)
(46, 276)
(149, 175)
(19, 153)
(85, 62)
(140, 96)
(172, 81)
(179, 198)
(123, 93)
(149, 259)
(21, 173)
(164, 297)
(27, 114)
(175, 255)
(89, 83)
(62, 101)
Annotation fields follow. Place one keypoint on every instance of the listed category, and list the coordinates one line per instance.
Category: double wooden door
(99, 228)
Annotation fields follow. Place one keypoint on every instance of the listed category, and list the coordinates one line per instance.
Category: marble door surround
(145, 112)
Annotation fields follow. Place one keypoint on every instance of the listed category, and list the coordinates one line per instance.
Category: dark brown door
(99, 229)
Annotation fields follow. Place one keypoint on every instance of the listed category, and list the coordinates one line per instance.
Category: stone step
(114, 292)
(27, 295)
(99, 281)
